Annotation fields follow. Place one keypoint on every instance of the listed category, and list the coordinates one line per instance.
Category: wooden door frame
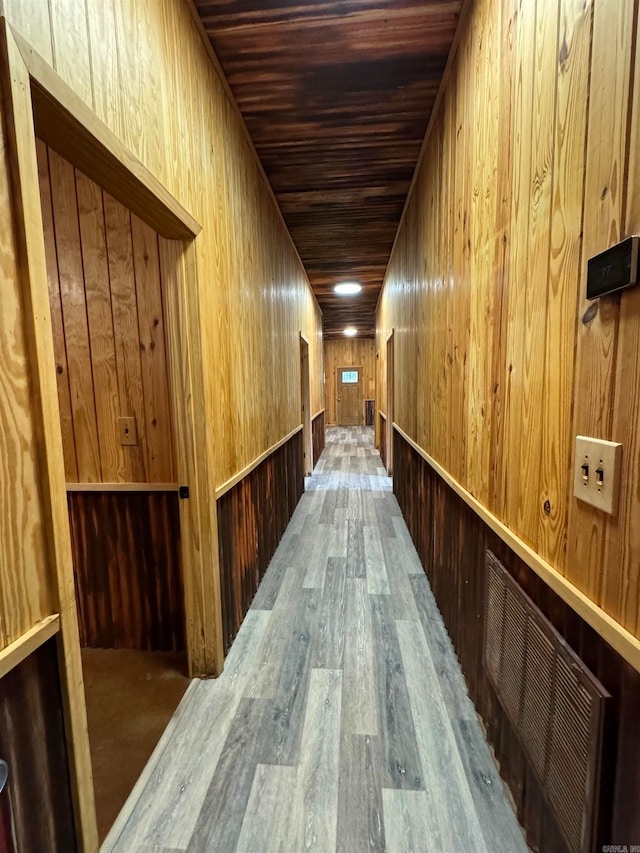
(305, 407)
(360, 368)
(38, 102)
(390, 365)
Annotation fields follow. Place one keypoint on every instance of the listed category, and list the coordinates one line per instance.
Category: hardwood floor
(341, 721)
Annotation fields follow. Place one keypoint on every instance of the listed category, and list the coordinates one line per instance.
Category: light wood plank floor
(341, 722)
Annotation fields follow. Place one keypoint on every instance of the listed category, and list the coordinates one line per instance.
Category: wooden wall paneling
(318, 436)
(521, 134)
(46, 419)
(536, 290)
(501, 289)
(564, 275)
(621, 592)
(70, 46)
(451, 540)
(588, 563)
(105, 70)
(159, 442)
(32, 741)
(57, 322)
(252, 516)
(348, 352)
(198, 514)
(126, 329)
(464, 106)
(76, 330)
(127, 569)
(90, 214)
(34, 20)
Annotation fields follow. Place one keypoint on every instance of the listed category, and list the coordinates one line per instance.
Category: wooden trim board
(383, 416)
(21, 648)
(618, 637)
(71, 128)
(317, 414)
(21, 150)
(233, 481)
(122, 487)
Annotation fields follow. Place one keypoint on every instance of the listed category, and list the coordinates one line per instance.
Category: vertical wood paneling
(74, 312)
(451, 541)
(252, 516)
(317, 436)
(32, 742)
(57, 322)
(108, 329)
(353, 352)
(100, 317)
(539, 174)
(129, 588)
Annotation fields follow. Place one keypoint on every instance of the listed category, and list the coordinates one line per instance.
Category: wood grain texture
(500, 360)
(348, 352)
(337, 102)
(32, 742)
(317, 435)
(126, 560)
(451, 540)
(111, 343)
(275, 754)
(252, 516)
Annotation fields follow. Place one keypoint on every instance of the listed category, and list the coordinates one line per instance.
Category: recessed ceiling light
(348, 288)
(350, 331)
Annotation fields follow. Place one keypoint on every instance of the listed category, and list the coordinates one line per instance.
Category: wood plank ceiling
(336, 97)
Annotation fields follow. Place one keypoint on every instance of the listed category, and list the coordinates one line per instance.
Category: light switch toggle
(127, 431)
(604, 458)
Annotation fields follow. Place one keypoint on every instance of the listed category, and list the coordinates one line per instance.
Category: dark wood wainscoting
(382, 435)
(126, 556)
(317, 436)
(451, 541)
(32, 742)
(252, 516)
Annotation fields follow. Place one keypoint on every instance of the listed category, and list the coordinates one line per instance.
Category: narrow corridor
(341, 721)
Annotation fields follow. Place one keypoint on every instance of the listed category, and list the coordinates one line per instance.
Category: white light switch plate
(598, 482)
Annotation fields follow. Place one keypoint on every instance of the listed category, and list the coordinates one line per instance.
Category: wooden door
(350, 402)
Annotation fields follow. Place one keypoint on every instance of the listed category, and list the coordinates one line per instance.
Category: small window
(349, 377)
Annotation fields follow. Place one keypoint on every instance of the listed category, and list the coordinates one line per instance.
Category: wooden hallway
(341, 720)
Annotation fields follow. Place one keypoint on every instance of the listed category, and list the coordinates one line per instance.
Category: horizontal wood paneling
(317, 436)
(451, 540)
(108, 329)
(252, 516)
(348, 352)
(32, 742)
(126, 560)
(529, 169)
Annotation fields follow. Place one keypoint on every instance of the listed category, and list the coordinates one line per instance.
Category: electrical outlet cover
(598, 454)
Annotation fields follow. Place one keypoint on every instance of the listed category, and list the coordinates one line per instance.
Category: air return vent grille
(554, 702)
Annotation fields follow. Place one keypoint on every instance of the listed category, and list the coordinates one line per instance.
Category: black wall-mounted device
(614, 269)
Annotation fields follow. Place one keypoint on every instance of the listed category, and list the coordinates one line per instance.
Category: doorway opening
(349, 396)
(305, 399)
(105, 279)
(390, 413)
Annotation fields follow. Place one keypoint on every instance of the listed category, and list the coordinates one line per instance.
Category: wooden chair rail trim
(317, 414)
(233, 481)
(21, 648)
(382, 415)
(69, 126)
(619, 638)
(122, 487)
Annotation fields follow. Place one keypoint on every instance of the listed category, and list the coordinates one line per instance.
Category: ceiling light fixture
(350, 331)
(347, 288)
